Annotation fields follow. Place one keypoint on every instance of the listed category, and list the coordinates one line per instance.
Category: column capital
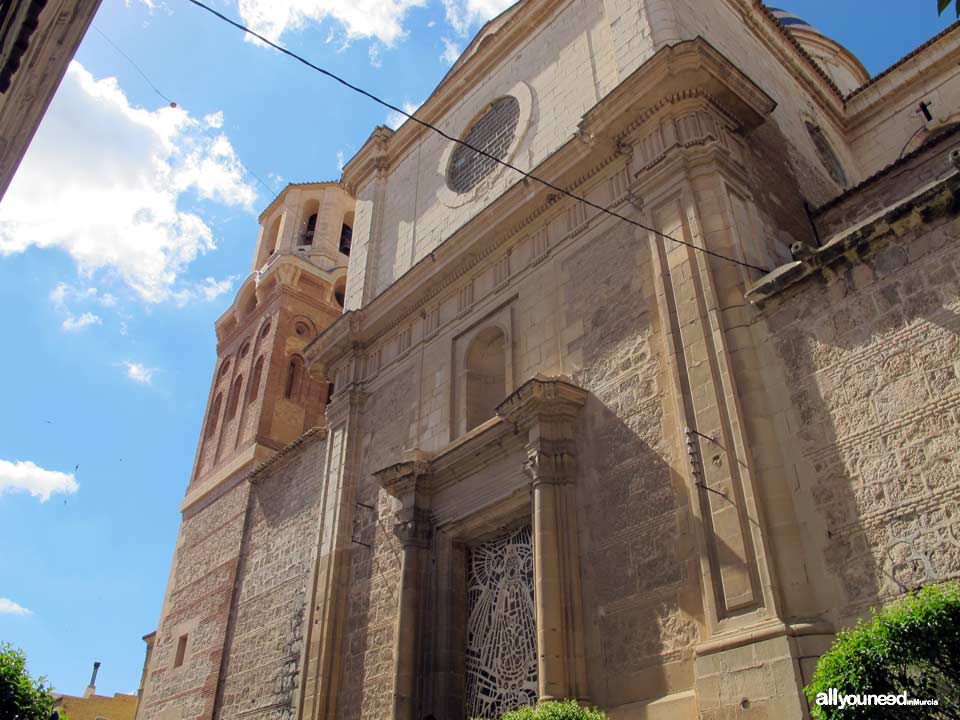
(552, 463)
(413, 528)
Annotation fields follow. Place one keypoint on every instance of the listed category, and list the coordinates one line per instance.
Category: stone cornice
(285, 269)
(939, 201)
(278, 200)
(759, 18)
(314, 433)
(542, 398)
(688, 70)
(693, 68)
(942, 52)
(404, 479)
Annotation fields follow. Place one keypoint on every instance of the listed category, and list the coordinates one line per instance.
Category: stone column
(409, 483)
(547, 410)
(414, 536)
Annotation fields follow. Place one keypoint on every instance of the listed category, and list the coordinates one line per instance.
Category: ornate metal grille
(492, 133)
(501, 630)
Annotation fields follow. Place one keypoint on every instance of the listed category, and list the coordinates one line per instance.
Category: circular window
(301, 329)
(224, 368)
(244, 350)
(492, 133)
(266, 329)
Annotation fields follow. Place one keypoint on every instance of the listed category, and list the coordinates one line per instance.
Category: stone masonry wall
(197, 606)
(870, 354)
(262, 668)
(374, 573)
(638, 562)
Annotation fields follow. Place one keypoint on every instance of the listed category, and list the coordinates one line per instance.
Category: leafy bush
(911, 646)
(565, 710)
(21, 697)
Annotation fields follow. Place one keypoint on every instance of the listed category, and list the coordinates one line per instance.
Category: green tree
(944, 4)
(912, 646)
(21, 697)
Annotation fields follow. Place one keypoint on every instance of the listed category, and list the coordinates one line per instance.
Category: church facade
(473, 443)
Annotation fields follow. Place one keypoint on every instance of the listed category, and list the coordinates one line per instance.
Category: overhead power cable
(479, 151)
(173, 104)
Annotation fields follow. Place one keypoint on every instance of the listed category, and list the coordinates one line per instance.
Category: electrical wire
(173, 104)
(910, 140)
(135, 66)
(479, 151)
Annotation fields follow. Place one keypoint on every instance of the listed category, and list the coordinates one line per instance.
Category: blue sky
(123, 238)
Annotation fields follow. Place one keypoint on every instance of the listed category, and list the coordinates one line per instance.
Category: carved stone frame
(535, 425)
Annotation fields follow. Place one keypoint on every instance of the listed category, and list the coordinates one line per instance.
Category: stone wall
(372, 594)
(262, 669)
(197, 606)
(638, 561)
(869, 350)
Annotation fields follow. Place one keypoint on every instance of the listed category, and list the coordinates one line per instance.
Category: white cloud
(374, 53)
(102, 180)
(466, 14)
(451, 51)
(9, 607)
(395, 119)
(64, 295)
(73, 323)
(214, 120)
(379, 19)
(23, 475)
(139, 373)
(123, 328)
(212, 289)
(340, 161)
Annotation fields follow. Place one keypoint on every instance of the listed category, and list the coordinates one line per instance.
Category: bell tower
(262, 396)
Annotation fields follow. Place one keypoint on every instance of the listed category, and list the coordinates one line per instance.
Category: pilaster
(409, 483)
(326, 609)
(546, 411)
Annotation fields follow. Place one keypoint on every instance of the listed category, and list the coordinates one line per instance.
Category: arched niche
(484, 376)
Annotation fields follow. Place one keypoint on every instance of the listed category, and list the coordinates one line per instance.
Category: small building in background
(121, 706)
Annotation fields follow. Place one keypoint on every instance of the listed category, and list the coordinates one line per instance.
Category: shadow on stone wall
(639, 563)
(871, 361)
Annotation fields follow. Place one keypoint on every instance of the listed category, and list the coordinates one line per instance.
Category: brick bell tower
(261, 399)
(262, 396)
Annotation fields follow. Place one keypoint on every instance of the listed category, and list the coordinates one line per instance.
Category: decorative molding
(689, 71)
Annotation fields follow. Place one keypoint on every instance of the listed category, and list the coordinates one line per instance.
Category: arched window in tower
(273, 238)
(346, 234)
(340, 291)
(253, 388)
(307, 237)
(291, 390)
(308, 225)
(268, 246)
(234, 399)
(486, 371)
(828, 158)
(213, 416)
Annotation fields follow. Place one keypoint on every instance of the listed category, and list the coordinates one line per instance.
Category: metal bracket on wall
(356, 514)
